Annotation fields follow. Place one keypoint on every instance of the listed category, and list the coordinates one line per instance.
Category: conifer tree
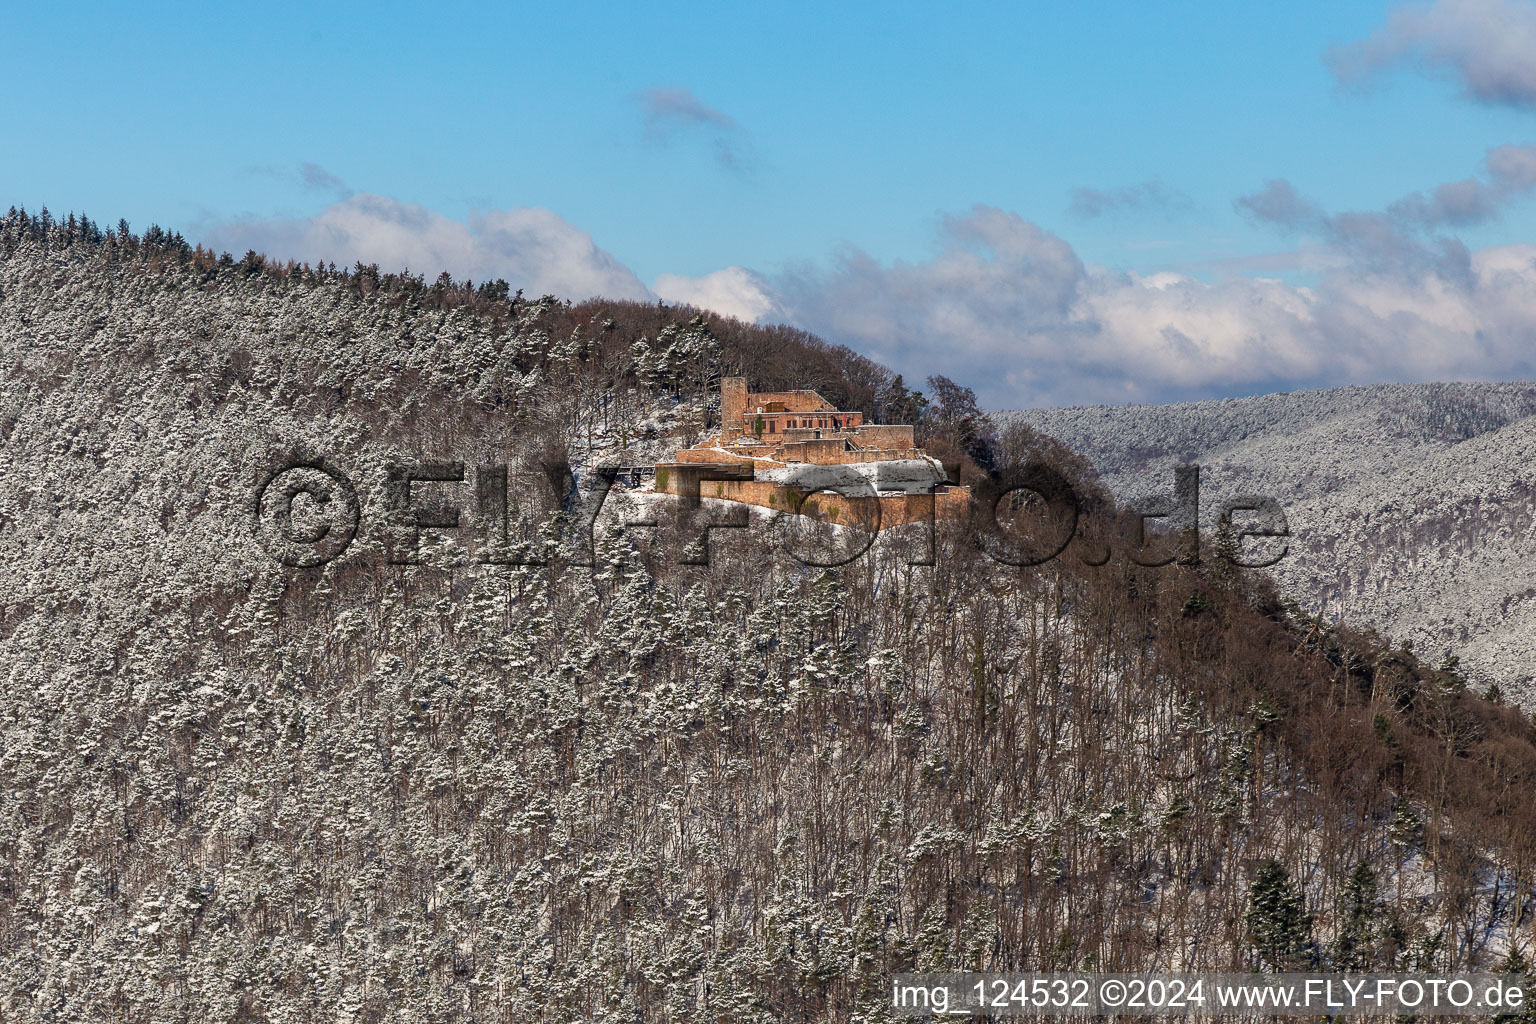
(1279, 927)
(1360, 918)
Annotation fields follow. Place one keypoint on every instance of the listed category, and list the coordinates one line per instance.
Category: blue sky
(911, 182)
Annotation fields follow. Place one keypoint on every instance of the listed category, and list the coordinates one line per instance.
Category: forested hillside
(1413, 506)
(526, 788)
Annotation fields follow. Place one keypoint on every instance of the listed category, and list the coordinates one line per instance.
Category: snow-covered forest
(641, 789)
(1412, 506)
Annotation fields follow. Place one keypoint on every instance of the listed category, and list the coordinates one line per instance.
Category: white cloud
(1146, 195)
(670, 111)
(734, 291)
(321, 180)
(1009, 309)
(531, 248)
(1485, 44)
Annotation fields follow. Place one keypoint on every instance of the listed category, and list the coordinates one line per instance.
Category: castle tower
(733, 406)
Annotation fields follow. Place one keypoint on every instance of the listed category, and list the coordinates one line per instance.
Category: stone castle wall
(885, 435)
(895, 509)
(817, 452)
(792, 401)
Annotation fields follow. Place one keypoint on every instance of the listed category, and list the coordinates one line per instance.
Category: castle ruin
(775, 448)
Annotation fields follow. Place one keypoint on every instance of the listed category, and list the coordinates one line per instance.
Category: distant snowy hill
(1413, 506)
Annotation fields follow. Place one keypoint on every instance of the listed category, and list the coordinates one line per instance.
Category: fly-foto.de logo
(307, 513)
